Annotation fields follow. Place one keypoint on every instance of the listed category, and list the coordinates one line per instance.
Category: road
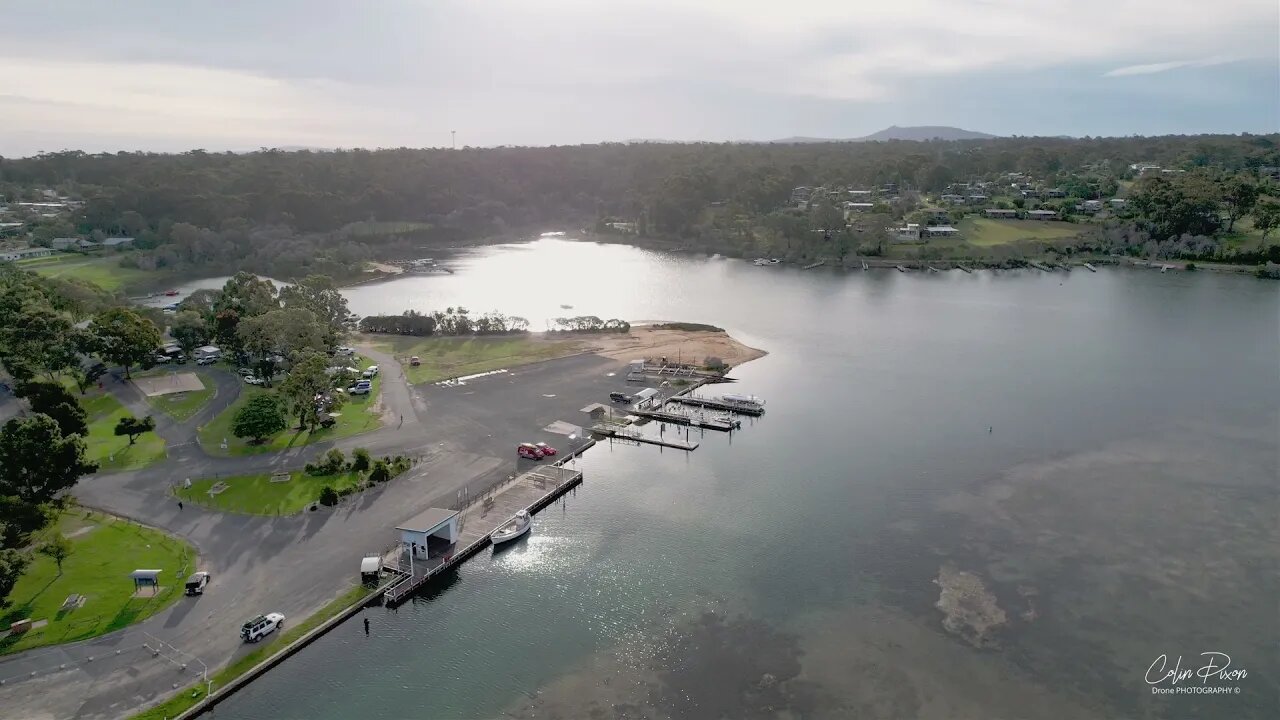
(464, 437)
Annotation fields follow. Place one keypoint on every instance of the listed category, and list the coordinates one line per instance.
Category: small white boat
(775, 261)
(864, 265)
(512, 529)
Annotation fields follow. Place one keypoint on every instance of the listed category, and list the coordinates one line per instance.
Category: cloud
(511, 71)
(1153, 68)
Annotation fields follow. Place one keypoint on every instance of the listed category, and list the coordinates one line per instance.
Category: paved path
(465, 438)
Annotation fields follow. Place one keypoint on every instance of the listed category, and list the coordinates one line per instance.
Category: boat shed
(645, 398)
(433, 524)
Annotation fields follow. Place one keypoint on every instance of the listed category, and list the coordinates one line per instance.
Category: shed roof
(428, 520)
(646, 394)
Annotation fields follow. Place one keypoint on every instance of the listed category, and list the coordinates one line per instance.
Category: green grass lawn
(257, 495)
(104, 551)
(985, 232)
(102, 270)
(271, 645)
(356, 416)
(104, 447)
(180, 406)
(447, 357)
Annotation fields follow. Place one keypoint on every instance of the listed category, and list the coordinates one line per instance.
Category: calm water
(1123, 505)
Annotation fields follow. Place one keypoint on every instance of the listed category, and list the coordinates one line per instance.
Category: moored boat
(518, 525)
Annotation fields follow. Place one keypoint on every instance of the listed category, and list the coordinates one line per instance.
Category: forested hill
(276, 196)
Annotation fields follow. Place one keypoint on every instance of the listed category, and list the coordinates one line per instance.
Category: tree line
(298, 213)
(450, 321)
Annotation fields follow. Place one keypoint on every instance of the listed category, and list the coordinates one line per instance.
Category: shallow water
(1098, 449)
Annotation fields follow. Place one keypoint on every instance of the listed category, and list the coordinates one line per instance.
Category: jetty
(1039, 266)
(864, 264)
(811, 266)
(933, 269)
(752, 409)
(530, 491)
(962, 267)
(1090, 267)
(698, 421)
(901, 269)
(623, 432)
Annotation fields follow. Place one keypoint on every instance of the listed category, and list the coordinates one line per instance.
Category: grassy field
(355, 417)
(985, 232)
(104, 551)
(102, 270)
(447, 357)
(104, 447)
(274, 642)
(257, 495)
(181, 406)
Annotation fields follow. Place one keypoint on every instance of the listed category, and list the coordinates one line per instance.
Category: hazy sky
(174, 75)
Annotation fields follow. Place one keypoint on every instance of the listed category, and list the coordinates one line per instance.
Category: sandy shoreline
(688, 346)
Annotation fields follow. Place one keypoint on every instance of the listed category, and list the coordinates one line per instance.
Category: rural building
(10, 227)
(1269, 171)
(1030, 193)
(434, 527)
(1118, 203)
(910, 233)
(25, 253)
(118, 242)
(860, 194)
(64, 243)
(1055, 193)
(857, 207)
(1091, 206)
(941, 231)
(800, 195)
(977, 199)
(955, 199)
(1000, 213)
(1042, 215)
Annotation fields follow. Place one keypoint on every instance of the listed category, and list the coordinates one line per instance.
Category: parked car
(619, 397)
(545, 448)
(261, 626)
(206, 360)
(363, 387)
(245, 372)
(197, 582)
(254, 380)
(162, 359)
(415, 361)
(529, 450)
(370, 372)
(344, 350)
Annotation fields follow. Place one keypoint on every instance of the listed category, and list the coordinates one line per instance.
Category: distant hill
(893, 132)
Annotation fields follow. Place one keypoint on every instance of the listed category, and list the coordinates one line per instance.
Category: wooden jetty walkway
(962, 267)
(530, 491)
(623, 432)
(1090, 267)
(730, 406)
(811, 266)
(682, 419)
(1040, 267)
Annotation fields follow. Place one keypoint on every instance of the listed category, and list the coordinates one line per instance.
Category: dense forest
(296, 213)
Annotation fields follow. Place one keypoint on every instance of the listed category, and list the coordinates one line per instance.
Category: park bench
(73, 601)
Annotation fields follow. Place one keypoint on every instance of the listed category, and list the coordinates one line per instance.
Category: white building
(433, 527)
(1092, 205)
(25, 253)
(910, 233)
(940, 231)
(645, 398)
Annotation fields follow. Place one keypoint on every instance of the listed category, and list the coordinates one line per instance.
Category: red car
(529, 450)
(545, 448)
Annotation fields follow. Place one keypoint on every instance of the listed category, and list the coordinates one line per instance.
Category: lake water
(1098, 451)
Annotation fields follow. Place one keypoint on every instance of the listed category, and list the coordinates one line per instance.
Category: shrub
(380, 472)
(1191, 266)
(328, 496)
(360, 460)
(332, 463)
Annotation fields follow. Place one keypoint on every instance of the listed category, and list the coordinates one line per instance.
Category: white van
(207, 355)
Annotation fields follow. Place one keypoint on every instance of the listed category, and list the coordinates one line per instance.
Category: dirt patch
(167, 384)
(676, 345)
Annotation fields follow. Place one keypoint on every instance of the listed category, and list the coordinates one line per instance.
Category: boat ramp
(530, 491)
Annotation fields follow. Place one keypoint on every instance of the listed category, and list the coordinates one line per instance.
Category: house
(941, 231)
(1042, 215)
(800, 195)
(860, 194)
(64, 243)
(1141, 169)
(910, 233)
(1055, 193)
(118, 242)
(25, 254)
(953, 199)
(889, 188)
(1118, 203)
(858, 207)
(1091, 206)
(10, 227)
(1030, 193)
(977, 199)
(1000, 213)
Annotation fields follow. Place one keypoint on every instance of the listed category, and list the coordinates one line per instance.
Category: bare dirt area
(689, 346)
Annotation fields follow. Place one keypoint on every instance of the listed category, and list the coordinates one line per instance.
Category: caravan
(207, 355)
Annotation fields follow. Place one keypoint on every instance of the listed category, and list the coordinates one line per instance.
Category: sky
(172, 75)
